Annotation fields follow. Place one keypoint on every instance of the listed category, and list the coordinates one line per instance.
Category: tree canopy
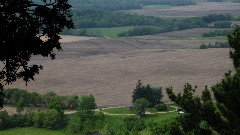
(29, 28)
(204, 115)
(151, 94)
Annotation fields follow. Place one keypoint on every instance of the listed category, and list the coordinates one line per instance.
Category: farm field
(109, 68)
(108, 32)
(200, 9)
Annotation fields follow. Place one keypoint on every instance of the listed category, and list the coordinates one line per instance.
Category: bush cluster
(17, 120)
(217, 45)
(216, 33)
(14, 96)
(161, 107)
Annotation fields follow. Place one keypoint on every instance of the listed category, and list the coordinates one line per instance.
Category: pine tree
(205, 115)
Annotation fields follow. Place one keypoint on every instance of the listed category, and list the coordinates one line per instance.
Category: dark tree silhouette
(207, 115)
(29, 28)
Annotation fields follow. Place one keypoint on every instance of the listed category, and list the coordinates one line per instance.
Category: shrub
(161, 107)
(52, 119)
(140, 105)
(133, 124)
(159, 128)
(5, 121)
(75, 124)
(16, 120)
(38, 119)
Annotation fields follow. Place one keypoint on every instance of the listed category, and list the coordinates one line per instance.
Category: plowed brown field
(110, 68)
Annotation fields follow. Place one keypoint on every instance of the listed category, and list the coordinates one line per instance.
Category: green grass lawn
(123, 110)
(108, 32)
(169, 108)
(33, 131)
(159, 117)
(120, 110)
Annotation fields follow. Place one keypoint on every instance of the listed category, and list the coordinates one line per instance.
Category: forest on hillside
(113, 5)
(88, 14)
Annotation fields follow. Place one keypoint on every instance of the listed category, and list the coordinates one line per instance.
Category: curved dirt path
(127, 114)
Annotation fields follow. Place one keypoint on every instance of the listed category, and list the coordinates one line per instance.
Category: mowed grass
(108, 32)
(159, 117)
(120, 110)
(33, 131)
(169, 108)
(124, 110)
(157, 7)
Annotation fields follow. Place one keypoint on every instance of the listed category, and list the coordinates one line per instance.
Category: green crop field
(108, 32)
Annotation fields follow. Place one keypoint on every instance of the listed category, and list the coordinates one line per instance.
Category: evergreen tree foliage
(203, 115)
(234, 43)
(152, 94)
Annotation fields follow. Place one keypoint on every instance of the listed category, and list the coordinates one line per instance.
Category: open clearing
(200, 9)
(109, 68)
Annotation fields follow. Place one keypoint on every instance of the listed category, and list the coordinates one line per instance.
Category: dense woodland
(113, 5)
(143, 25)
(104, 14)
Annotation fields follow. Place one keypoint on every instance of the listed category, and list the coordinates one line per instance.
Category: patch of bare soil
(68, 38)
(109, 69)
(200, 9)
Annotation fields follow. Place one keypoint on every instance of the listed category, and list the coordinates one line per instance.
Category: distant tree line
(105, 19)
(89, 18)
(215, 0)
(222, 25)
(168, 2)
(113, 5)
(234, 1)
(141, 30)
(216, 33)
(216, 45)
(217, 17)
